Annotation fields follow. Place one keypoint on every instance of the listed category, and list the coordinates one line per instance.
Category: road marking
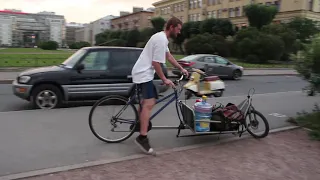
(278, 115)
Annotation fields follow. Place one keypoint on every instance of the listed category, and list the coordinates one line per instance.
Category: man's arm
(173, 61)
(158, 69)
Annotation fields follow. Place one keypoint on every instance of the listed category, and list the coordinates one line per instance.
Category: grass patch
(309, 120)
(32, 60)
(14, 57)
(31, 50)
(245, 65)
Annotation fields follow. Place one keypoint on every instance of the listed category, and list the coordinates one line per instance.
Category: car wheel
(188, 94)
(218, 94)
(236, 74)
(46, 96)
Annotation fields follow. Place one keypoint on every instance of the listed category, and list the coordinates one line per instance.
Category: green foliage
(49, 45)
(158, 23)
(124, 35)
(310, 120)
(145, 34)
(259, 15)
(116, 42)
(304, 28)
(265, 46)
(221, 27)
(207, 44)
(308, 60)
(79, 45)
(133, 38)
(287, 35)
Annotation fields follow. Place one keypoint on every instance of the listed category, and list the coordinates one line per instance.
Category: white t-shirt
(154, 50)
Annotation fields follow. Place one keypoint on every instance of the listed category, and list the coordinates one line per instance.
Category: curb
(131, 157)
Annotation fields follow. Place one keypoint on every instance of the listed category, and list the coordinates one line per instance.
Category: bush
(264, 46)
(308, 60)
(309, 120)
(49, 45)
(116, 42)
(79, 45)
(207, 44)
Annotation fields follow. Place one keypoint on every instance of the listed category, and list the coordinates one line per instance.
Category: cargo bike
(225, 119)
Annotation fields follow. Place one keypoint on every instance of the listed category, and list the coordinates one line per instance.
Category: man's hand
(168, 82)
(185, 72)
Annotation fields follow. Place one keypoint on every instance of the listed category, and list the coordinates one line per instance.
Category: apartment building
(139, 19)
(71, 32)
(89, 31)
(25, 29)
(198, 10)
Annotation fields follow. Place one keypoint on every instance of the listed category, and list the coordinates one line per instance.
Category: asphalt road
(32, 140)
(262, 84)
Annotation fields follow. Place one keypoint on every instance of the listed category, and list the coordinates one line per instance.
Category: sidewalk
(284, 155)
(7, 75)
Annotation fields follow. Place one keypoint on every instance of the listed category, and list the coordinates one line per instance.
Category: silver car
(213, 65)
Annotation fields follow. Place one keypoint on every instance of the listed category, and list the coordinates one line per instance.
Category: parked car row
(89, 74)
(212, 65)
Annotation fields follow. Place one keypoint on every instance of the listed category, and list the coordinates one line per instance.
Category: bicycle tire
(104, 99)
(265, 121)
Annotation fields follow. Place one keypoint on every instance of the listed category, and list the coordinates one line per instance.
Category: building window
(182, 6)
(231, 12)
(199, 3)
(175, 8)
(214, 14)
(237, 11)
(179, 8)
(209, 14)
(277, 4)
(219, 13)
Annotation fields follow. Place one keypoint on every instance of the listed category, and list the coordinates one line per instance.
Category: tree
(258, 47)
(260, 15)
(158, 24)
(133, 38)
(223, 27)
(207, 44)
(287, 35)
(304, 28)
(308, 61)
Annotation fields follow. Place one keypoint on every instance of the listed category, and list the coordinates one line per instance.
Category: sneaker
(144, 145)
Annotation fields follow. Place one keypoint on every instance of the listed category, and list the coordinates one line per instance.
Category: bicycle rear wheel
(115, 120)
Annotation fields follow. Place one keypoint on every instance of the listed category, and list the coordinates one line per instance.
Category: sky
(79, 11)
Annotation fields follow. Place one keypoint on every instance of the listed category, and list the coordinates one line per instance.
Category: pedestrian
(156, 51)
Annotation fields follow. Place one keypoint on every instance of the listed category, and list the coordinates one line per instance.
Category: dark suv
(89, 74)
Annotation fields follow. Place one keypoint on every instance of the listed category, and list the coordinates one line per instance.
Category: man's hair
(173, 21)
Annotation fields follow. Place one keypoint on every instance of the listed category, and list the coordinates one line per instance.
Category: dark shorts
(148, 90)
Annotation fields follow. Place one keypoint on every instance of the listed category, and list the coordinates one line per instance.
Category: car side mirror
(228, 63)
(80, 67)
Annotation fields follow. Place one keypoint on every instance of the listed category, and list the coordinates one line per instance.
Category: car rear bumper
(21, 90)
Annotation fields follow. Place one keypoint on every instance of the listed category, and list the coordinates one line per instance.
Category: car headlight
(24, 79)
(241, 67)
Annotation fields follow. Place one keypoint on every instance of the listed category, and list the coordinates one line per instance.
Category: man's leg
(149, 95)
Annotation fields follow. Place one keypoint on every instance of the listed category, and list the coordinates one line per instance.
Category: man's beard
(172, 35)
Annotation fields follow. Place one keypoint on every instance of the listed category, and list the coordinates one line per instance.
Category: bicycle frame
(176, 94)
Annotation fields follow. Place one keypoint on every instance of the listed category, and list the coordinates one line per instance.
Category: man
(156, 51)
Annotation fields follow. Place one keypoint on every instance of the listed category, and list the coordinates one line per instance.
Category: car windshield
(74, 58)
(189, 58)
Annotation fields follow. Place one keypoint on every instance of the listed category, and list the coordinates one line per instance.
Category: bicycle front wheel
(116, 126)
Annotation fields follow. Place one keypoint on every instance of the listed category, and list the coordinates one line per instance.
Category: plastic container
(202, 112)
